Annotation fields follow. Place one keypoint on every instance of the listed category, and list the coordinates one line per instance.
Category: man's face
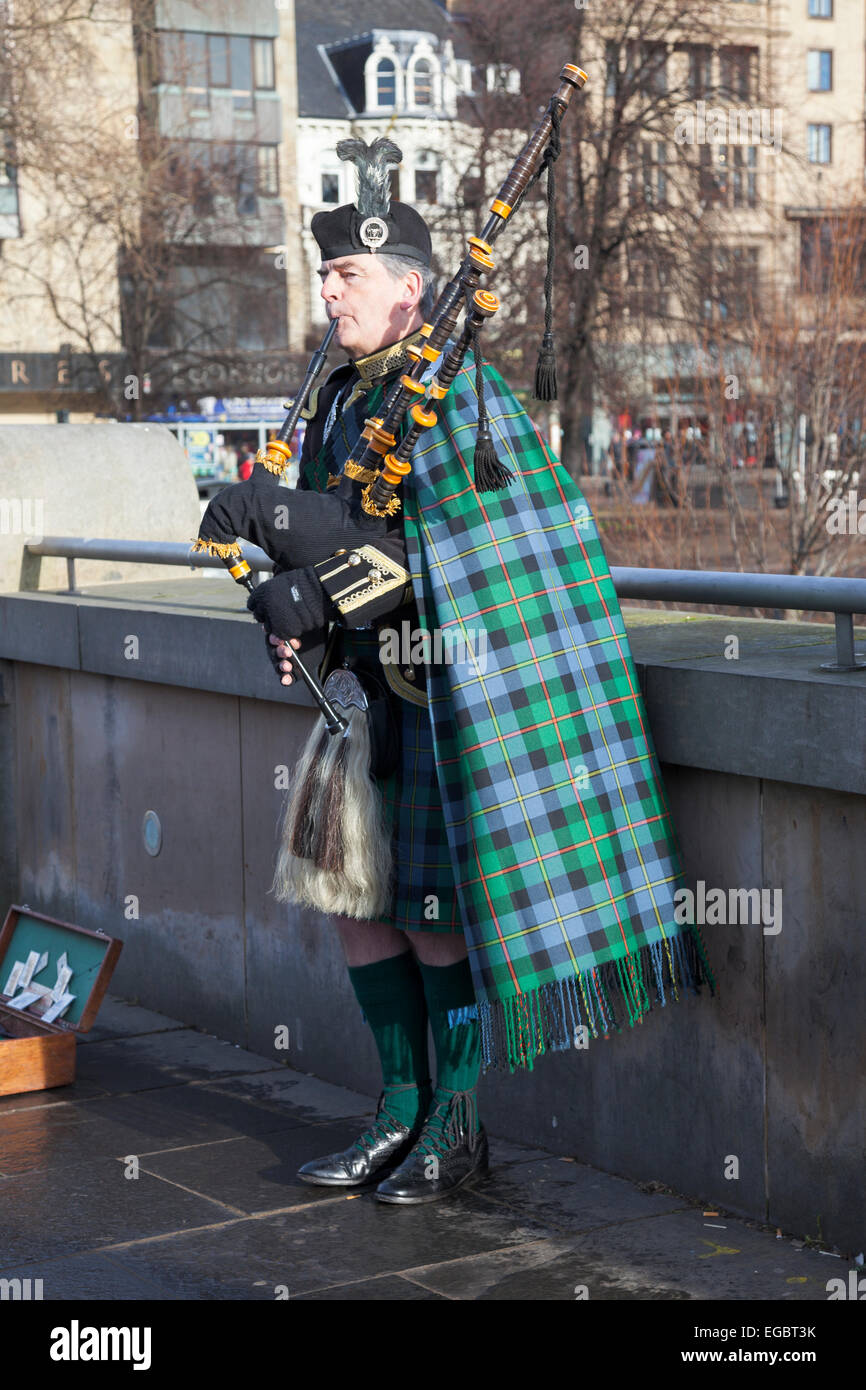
(371, 307)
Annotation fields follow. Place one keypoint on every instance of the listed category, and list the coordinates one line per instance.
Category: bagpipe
(323, 862)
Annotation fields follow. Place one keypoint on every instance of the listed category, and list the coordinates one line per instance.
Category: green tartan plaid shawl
(563, 850)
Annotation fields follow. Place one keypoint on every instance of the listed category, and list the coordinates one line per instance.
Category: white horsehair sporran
(335, 839)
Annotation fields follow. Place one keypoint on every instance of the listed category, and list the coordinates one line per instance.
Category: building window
(648, 279)
(263, 64)
(612, 67)
(395, 185)
(832, 255)
(170, 57)
(241, 60)
(426, 178)
(654, 180)
(820, 9)
(654, 77)
(646, 176)
(713, 175)
(9, 219)
(463, 69)
(819, 69)
(819, 144)
(386, 83)
(472, 188)
(268, 181)
(501, 77)
(738, 74)
(200, 61)
(422, 82)
(744, 165)
(218, 59)
(204, 170)
(816, 255)
(330, 188)
(734, 283)
(700, 79)
(195, 78)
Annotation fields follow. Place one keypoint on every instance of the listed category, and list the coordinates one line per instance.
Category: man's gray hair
(398, 266)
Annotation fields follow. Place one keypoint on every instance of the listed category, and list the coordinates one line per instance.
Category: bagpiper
(526, 901)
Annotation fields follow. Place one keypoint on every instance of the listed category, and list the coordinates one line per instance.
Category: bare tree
(790, 383)
(629, 209)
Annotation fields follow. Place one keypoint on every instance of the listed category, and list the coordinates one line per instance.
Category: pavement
(166, 1171)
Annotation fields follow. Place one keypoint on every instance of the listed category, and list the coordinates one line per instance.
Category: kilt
(425, 895)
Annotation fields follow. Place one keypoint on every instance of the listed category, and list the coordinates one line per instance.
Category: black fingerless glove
(273, 657)
(291, 603)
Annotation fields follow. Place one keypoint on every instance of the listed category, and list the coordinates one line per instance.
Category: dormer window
(386, 83)
(426, 178)
(423, 83)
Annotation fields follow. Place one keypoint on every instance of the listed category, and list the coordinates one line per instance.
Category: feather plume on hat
(373, 163)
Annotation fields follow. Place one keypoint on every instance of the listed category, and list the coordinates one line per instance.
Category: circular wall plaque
(151, 832)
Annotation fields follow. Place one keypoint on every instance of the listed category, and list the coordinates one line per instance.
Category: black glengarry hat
(373, 226)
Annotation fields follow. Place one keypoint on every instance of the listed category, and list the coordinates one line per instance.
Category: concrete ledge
(770, 712)
(194, 633)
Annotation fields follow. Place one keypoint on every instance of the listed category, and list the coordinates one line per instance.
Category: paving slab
(670, 1258)
(84, 1278)
(93, 1205)
(573, 1196)
(256, 1175)
(52, 1097)
(167, 1058)
(280, 1088)
(140, 1124)
(332, 1242)
(118, 1018)
(539, 1271)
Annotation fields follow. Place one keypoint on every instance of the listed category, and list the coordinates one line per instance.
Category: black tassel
(545, 370)
(488, 473)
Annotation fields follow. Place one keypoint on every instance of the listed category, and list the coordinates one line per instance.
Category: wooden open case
(39, 1054)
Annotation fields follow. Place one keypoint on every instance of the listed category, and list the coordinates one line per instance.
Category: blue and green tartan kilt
(424, 896)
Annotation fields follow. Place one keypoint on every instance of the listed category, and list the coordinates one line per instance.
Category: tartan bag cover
(563, 850)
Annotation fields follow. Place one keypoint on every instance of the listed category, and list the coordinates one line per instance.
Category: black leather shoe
(461, 1152)
(379, 1149)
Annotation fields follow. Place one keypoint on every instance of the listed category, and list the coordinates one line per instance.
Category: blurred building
(172, 280)
(772, 117)
(369, 68)
(161, 251)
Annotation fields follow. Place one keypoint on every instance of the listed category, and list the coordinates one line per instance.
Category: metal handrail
(810, 593)
(137, 552)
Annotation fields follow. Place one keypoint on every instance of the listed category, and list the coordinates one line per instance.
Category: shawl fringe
(515, 1031)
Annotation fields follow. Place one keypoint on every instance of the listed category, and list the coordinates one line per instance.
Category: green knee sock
(391, 995)
(458, 1049)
